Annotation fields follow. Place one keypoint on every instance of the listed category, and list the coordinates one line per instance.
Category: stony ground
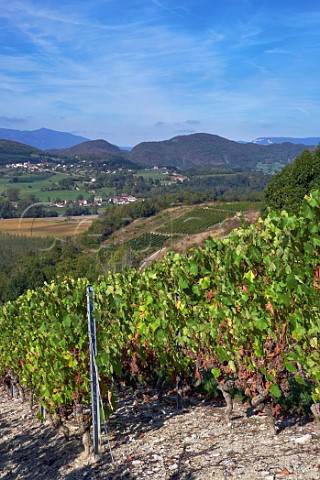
(155, 441)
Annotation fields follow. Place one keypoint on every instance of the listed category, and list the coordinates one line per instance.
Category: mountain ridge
(204, 149)
(183, 151)
(42, 138)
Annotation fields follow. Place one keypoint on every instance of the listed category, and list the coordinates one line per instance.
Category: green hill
(202, 149)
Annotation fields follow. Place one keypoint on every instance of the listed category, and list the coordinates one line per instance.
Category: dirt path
(154, 441)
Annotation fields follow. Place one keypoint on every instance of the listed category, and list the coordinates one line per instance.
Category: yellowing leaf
(249, 276)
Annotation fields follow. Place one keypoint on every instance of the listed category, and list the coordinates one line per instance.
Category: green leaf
(193, 269)
(299, 380)
(67, 321)
(149, 299)
(216, 372)
(290, 367)
(205, 282)
(196, 290)
(291, 281)
(275, 390)
(232, 365)
(261, 322)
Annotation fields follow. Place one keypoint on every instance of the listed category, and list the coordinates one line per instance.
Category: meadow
(45, 186)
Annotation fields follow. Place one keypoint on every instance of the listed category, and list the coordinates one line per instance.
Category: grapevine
(248, 312)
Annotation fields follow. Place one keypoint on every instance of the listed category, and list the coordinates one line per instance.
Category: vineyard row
(246, 309)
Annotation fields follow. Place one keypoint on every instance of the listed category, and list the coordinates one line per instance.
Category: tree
(6, 210)
(288, 187)
(13, 194)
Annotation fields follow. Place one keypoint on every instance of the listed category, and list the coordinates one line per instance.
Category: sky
(129, 71)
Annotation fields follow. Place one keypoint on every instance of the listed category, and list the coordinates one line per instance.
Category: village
(123, 199)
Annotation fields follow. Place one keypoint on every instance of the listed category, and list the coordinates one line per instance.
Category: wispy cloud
(12, 121)
(164, 6)
(92, 63)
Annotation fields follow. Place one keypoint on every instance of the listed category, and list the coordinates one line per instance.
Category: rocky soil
(155, 441)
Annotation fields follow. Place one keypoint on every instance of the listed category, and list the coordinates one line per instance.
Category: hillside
(177, 229)
(91, 147)
(96, 151)
(186, 151)
(203, 149)
(15, 152)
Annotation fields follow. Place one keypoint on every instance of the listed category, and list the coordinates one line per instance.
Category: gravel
(155, 441)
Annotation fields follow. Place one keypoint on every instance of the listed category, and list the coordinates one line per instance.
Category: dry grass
(46, 227)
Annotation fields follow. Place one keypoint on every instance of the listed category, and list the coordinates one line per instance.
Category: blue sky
(137, 70)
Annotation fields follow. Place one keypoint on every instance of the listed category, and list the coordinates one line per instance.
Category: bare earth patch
(155, 441)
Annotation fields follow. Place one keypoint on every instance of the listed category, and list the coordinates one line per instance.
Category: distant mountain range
(44, 139)
(185, 151)
(300, 141)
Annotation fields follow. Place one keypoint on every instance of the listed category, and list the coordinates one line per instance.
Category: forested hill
(16, 152)
(96, 151)
(202, 149)
(90, 147)
(186, 151)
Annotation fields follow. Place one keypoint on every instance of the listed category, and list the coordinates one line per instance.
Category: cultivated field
(47, 227)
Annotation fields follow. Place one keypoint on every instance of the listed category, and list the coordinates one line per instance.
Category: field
(154, 174)
(46, 227)
(45, 186)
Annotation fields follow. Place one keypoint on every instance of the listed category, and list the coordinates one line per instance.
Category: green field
(154, 174)
(45, 186)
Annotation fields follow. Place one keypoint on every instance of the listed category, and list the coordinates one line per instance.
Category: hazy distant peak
(310, 141)
(43, 138)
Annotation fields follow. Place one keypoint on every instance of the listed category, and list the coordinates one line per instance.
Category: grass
(38, 184)
(154, 174)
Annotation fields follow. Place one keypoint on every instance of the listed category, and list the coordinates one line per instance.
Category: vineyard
(243, 311)
(200, 219)
(146, 241)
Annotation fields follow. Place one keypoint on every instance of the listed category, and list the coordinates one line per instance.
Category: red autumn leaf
(284, 471)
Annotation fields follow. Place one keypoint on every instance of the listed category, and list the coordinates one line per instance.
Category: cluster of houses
(123, 199)
(30, 167)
